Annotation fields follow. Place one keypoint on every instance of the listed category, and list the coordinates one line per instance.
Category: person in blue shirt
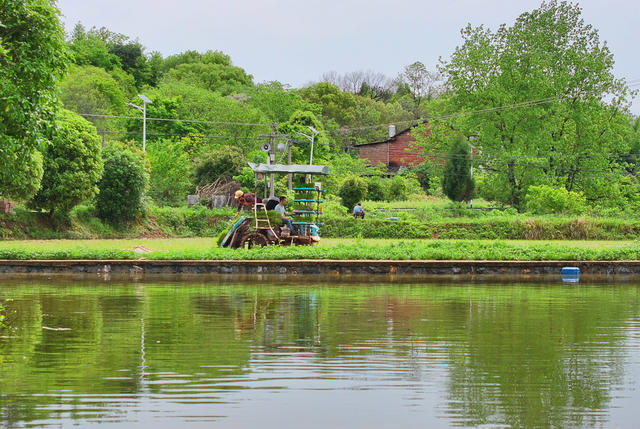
(281, 208)
(358, 211)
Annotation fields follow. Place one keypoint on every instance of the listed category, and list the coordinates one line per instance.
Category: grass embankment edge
(453, 250)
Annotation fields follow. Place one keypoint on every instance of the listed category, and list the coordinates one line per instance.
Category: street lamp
(143, 109)
(472, 138)
(311, 137)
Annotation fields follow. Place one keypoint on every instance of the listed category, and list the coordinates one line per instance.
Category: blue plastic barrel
(570, 274)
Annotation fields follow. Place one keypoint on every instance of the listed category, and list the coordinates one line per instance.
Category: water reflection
(319, 355)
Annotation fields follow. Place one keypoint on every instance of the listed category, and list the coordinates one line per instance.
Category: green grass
(204, 248)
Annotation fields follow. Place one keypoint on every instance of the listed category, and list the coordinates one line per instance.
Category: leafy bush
(545, 199)
(352, 190)
(228, 161)
(170, 172)
(397, 188)
(424, 175)
(375, 189)
(72, 165)
(123, 184)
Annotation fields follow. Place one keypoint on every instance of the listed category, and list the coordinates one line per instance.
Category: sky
(296, 41)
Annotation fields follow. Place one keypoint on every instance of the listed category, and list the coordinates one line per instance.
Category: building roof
(285, 169)
(390, 139)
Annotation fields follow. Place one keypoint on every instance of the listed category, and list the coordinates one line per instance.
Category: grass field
(205, 248)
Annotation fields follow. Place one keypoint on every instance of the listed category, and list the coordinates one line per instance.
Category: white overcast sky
(295, 41)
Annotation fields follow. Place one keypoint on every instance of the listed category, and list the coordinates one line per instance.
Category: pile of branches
(222, 186)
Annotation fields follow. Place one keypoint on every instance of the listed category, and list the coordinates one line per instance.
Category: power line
(260, 137)
(344, 130)
(493, 161)
(174, 120)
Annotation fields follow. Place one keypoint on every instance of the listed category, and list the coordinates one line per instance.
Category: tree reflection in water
(515, 355)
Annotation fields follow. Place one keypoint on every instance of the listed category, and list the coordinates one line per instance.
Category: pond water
(291, 354)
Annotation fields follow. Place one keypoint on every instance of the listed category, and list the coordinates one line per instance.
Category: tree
(224, 79)
(72, 165)
(352, 191)
(335, 104)
(89, 49)
(176, 99)
(33, 58)
(299, 123)
(278, 102)
(419, 83)
(123, 184)
(570, 116)
(377, 83)
(92, 90)
(227, 162)
(457, 183)
(170, 180)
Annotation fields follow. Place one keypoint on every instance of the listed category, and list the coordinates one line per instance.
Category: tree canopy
(72, 165)
(33, 58)
(542, 99)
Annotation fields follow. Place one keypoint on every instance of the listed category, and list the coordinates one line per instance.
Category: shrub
(397, 189)
(424, 175)
(352, 190)
(457, 183)
(375, 190)
(72, 165)
(123, 184)
(545, 199)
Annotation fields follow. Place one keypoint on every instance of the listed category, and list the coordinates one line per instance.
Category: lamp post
(143, 109)
(474, 138)
(312, 138)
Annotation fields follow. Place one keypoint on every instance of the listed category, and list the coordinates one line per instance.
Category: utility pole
(272, 158)
(289, 163)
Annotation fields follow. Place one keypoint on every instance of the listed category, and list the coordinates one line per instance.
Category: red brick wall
(376, 153)
(397, 153)
(392, 152)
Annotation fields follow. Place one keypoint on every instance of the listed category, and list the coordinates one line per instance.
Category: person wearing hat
(246, 200)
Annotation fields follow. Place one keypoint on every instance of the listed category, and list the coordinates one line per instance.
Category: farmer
(281, 209)
(245, 200)
(358, 211)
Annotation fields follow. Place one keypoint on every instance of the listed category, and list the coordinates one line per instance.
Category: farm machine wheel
(253, 239)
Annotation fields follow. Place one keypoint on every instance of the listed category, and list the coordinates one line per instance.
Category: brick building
(394, 152)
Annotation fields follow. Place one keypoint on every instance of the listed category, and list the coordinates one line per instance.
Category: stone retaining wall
(316, 267)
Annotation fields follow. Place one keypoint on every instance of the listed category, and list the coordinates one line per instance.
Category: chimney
(392, 131)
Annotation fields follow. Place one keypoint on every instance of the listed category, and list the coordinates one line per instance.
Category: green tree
(577, 120)
(228, 161)
(224, 79)
(33, 58)
(299, 123)
(418, 84)
(89, 49)
(170, 179)
(175, 99)
(123, 184)
(278, 102)
(457, 183)
(352, 191)
(337, 105)
(92, 90)
(72, 165)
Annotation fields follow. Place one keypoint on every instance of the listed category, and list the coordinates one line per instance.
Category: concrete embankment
(315, 267)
